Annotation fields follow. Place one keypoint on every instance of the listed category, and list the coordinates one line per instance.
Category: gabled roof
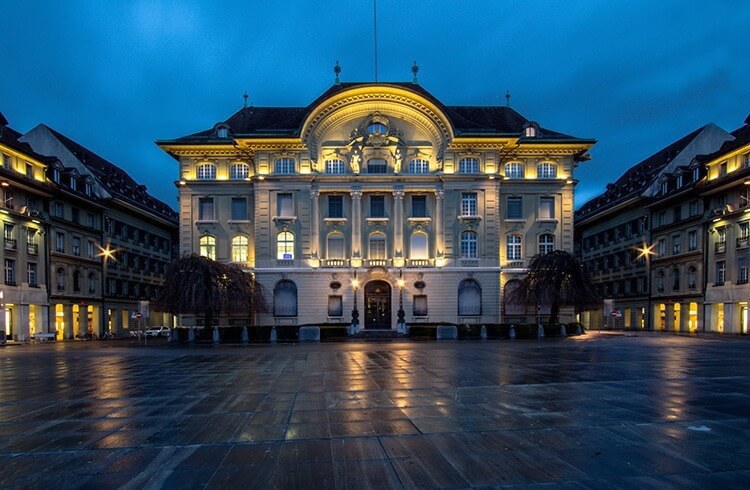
(287, 121)
(9, 137)
(637, 179)
(115, 180)
(741, 138)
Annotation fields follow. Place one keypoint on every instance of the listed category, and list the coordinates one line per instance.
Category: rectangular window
(722, 169)
(676, 239)
(692, 240)
(377, 166)
(742, 273)
(31, 274)
(721, 235)
(335, 206)
(419, 206)
(377, 206)
(60, 242)
(515, 208)
(206, 209)
(285, 205)
(469, 204)
(744, 232)
(239, 209)
(662, 219)
(694, 210)
(76, 246)
(721, 272)
(75, 215)
(420, 305)
(546, 208)
(662, 248)
(10, 272)
(90, 220)
(6, 161)
(58, 210)
(29, 170)
(677, 213)
(335, 306)
(90, 249)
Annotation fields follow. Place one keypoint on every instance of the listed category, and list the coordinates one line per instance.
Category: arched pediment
(351, 106)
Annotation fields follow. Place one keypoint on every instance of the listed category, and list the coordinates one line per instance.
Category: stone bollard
(274, 336)
(540, 332)
(309, 334)
(483, 334)
(191, 334)
(578, 329)
(216, 337)
(512, 332)
(245, 336)
(562, 331)
(447, 332)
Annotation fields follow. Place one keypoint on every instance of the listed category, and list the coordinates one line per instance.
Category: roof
(116, 181)
(287, 121)
(741, 138)
(9, 137)
(636, 180)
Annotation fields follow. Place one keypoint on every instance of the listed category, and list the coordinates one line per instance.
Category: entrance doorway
(378, 305)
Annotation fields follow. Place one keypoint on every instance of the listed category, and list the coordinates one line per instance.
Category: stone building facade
(376, 192)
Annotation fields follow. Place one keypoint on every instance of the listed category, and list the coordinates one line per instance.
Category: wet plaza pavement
(610, 410)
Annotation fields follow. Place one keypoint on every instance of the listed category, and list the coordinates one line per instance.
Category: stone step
(378, 334)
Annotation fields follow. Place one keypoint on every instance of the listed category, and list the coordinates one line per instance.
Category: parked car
(157, 332)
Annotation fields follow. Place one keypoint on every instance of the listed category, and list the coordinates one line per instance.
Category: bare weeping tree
(556, 279)
(196, 285)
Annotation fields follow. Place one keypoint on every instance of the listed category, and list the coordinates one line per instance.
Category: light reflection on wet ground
(636, 411)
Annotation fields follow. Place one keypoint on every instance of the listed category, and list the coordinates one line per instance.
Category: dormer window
(664, 187)
(680, 181)
(87, 188)
(55, 175)
(377, 128)
(73, 183)
(530, 130)
(222, 132)
(696, 174)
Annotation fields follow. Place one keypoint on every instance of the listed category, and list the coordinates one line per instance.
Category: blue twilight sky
(117, 75)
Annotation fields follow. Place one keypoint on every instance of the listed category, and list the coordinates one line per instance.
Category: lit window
(513, 247)
(468, 166)
(205, 171)
(377, 166)
(239, 171)
(208, 246)
(284, 166)
(546, 243)
(514, 170)
(469, 245)
(530, 132)
(335, 246)
(469, 298)
(419, 246)
(546, 170)
(335, 166)
(377, 248)
(469, 204)
(419, 166)
(240, 247)
(285, 245)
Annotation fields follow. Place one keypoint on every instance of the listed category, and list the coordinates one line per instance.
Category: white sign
(287, 256)
(144, 305)
(609, 307)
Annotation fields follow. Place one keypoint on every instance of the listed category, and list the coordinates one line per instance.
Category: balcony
(743, 242)
(469, 262)
(285, 262)
(721, 247)
(514, 264)
(32, 248)
(419, 263)
(333, 263)
(10, 244)
(376, 263)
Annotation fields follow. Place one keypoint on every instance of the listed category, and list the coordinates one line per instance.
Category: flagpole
(375, 31)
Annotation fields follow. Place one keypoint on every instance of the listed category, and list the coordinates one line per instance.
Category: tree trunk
(554, 313)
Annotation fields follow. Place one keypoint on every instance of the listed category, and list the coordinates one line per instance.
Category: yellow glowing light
(261, 177)
(182, 182)
(4, 184)
(399, 262)
(107, 253)
(569, 181)
(355, 284)
(646, 251)
(401, 283)
(440, 262)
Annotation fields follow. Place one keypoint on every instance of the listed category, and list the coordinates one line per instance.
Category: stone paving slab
(603, 410)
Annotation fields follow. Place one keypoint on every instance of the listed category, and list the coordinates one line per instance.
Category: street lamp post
(401, 313)
(355, 311)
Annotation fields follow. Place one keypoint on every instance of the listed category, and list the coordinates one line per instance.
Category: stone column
(700, 319)
(68, 321)
(709, 318)
(685, 317)
(43, 315)
(730, 325)
(637, 317)
(439, 245)
(356, 223)
(669, 319)
(2, 314)
(315, 223)
(21, 329)
(398, 223)
(655, 317)
(83, 318)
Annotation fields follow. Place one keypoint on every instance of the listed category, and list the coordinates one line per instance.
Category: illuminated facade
(372, 183)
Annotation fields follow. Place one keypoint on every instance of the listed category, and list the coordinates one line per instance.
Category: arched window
(335, 246)
(469, 245)
(468, 166)
(530, 132)
(514, 170)
(377, 166)
(76, 281)
(222, 132)
(469, 298)
(510, 306)
(60, 279)
(660, 281)
(546, 170)
(208, 246)
(419, 248)
(335, 166)
(675, 279)
(377, 248)
(419, 166)
(285, 299)
(240, 248)
(284, 166)
(92, 283)
(285, 245)
(513, 247)
(205, 171)
(546, 243)
(692, 277)
(239, 171)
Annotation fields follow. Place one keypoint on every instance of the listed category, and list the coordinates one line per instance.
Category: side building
(374, 192)
(615, 231)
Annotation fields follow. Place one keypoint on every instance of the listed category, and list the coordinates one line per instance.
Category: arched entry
(377, 304)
